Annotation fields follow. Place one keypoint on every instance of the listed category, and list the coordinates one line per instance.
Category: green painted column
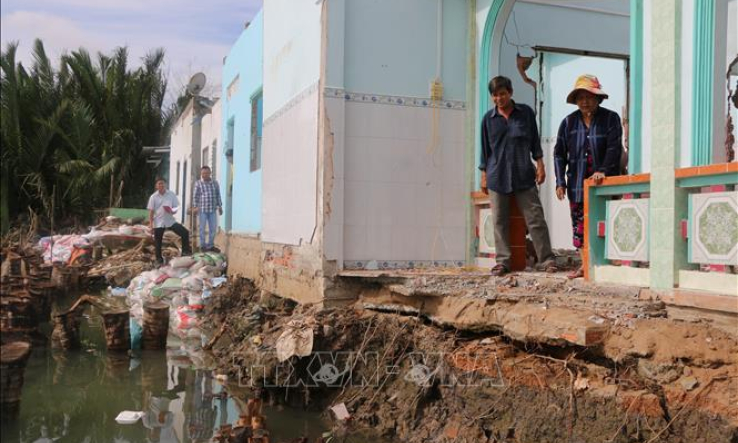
(665, 243)
(703, 40)
(635, 117)
(485, 53)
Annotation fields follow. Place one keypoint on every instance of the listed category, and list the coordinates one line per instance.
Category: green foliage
(72, 136)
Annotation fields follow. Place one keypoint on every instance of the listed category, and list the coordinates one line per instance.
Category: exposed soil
(651, 380)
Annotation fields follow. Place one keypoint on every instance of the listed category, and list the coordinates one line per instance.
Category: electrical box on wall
(436, 90)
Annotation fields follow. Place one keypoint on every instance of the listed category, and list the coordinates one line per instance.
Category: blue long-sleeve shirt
(508, 145)
(570, 159)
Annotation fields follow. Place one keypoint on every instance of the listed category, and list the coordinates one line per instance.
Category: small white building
(194, 143)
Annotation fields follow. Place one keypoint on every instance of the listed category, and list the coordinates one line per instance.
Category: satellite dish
(197, 83)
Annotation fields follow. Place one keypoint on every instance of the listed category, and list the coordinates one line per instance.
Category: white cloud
(195, 35)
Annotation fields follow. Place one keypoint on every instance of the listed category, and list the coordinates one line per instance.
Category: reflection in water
(75, 396)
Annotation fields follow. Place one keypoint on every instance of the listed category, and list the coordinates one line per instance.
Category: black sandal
(500, 270)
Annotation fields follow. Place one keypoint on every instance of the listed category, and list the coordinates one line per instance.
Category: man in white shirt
(162, 205)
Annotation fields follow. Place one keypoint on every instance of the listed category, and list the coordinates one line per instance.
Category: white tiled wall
(289, 164)
(403, 195)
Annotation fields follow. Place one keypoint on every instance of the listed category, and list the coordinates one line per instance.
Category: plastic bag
(176, 272)
(203, 257)
(192, 283)
(182, 262)
(195, 301)
(136, 334)
(196, 266)
(186, 318)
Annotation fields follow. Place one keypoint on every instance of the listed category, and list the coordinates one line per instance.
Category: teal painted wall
(245, 60)
(390, 47)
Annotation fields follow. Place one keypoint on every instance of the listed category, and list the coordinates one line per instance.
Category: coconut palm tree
(72, 137)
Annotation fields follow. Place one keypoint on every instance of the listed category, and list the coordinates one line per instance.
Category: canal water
(75, 396)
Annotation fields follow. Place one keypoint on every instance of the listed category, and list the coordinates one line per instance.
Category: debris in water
(128, 417)
(341, 412)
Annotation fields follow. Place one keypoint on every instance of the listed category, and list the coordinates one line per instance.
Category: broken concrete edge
(622, 341)
(528, 322)
(293, 271)
(632, 399)
(693, 299)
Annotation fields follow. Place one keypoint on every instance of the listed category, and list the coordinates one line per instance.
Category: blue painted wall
(244, 61)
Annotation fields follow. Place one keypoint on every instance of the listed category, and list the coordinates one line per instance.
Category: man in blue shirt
(509, 142)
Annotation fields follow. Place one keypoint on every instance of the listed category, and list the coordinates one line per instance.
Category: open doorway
(543, 62)
(556, 74)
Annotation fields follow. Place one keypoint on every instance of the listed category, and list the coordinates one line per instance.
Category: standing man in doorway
(207, 201)
(162, 205)
(509, 142)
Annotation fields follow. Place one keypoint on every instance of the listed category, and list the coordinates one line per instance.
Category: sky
(196, 35)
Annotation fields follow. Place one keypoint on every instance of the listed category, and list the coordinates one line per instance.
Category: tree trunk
(4, 203)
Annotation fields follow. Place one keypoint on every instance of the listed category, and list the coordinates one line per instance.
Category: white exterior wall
(181, 152)
(292, 36)
(211, 138)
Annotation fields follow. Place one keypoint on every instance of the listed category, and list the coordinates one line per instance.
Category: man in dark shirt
(509, 141)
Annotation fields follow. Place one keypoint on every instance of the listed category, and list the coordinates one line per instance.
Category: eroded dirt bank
(654, 380)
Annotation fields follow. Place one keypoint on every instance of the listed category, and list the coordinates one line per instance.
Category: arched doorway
(564, 39)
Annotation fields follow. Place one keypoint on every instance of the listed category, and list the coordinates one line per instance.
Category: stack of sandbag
(183, 284)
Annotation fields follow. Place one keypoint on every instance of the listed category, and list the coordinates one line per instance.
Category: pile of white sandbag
(183, 284)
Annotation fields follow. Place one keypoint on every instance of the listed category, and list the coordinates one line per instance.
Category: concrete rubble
(461, 355)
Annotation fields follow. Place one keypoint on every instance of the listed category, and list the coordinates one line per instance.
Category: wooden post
(73, 279)
(18, 310)
(60, 277)
(42, 271)
(43, 293)
(116, 366)
(517, 237)
(66, 331)
(13, 358)
(155, 326)
(117, 330)
(97, 252)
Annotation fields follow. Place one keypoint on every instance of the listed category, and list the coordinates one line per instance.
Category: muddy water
(75, 396)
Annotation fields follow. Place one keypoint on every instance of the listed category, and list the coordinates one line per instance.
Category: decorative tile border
(294, 101)
(401, 264)
(397, 100)
(713, 230)
(627, 229)
(486, 232)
